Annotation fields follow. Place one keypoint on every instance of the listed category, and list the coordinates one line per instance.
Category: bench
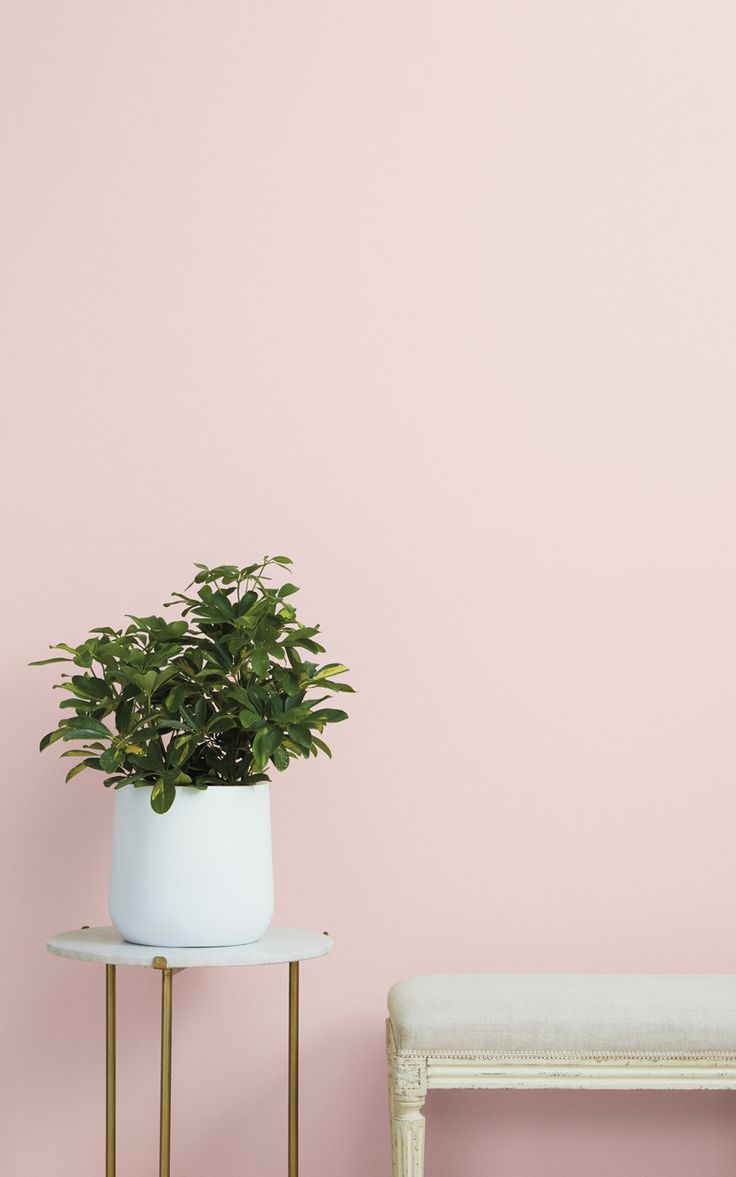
(537, 1030)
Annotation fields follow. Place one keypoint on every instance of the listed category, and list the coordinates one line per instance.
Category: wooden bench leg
(407, 1132)
(407, 1089)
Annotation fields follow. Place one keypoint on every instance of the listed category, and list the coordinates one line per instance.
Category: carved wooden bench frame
(412, 1073)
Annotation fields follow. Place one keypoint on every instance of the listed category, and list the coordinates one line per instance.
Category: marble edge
(124, 952)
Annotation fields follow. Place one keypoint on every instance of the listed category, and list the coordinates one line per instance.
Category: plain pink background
(437, 298)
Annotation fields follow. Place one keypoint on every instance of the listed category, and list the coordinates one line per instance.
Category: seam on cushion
(572, 1055)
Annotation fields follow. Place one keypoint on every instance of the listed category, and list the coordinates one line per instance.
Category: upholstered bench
(639, 1031)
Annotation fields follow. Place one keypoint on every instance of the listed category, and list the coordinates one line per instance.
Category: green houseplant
(205, 704)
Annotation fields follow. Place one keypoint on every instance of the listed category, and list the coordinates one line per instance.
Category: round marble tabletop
(105, 946)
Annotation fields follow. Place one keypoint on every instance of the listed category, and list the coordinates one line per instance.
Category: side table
(105, 946)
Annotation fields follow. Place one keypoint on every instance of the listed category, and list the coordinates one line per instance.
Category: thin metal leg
(110, 1070)
(164, 1163)
(294, 1068)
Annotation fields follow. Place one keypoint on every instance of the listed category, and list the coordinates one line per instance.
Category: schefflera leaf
(215, 697)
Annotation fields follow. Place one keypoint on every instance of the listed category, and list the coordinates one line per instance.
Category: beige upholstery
(538, 1014)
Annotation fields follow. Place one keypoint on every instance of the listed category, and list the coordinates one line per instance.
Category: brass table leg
(294, 1068)
(164, 1162)
(166, 1024)
(110, 1070)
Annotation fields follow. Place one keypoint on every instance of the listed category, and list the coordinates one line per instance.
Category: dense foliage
(213, 698)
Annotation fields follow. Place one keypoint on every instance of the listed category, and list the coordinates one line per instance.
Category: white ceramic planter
(200, 875)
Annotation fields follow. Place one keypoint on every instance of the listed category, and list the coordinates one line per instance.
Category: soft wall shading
(437, 299)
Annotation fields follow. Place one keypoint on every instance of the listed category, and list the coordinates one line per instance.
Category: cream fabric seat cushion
(538, 1014)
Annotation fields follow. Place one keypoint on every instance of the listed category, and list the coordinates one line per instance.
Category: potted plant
(185, 719)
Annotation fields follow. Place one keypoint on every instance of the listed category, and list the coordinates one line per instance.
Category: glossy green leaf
(246, 603)
(163, 795)
(249, 720)
(110, 759)
(280, 758)
(50, 738)
(308, 644)
(75, 771)
(222, 723)
(300, 734)
(124, 716)
(85, 729)
(322, 746)
(260, 661)
(265, 743)
(95, 688)
(286, 680)
(329, 671)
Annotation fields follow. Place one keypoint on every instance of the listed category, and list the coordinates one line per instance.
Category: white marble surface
(105, 946)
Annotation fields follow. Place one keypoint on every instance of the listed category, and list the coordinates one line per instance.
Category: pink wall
(439, 299)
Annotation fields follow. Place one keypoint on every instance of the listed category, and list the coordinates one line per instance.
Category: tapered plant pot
(200, 875)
